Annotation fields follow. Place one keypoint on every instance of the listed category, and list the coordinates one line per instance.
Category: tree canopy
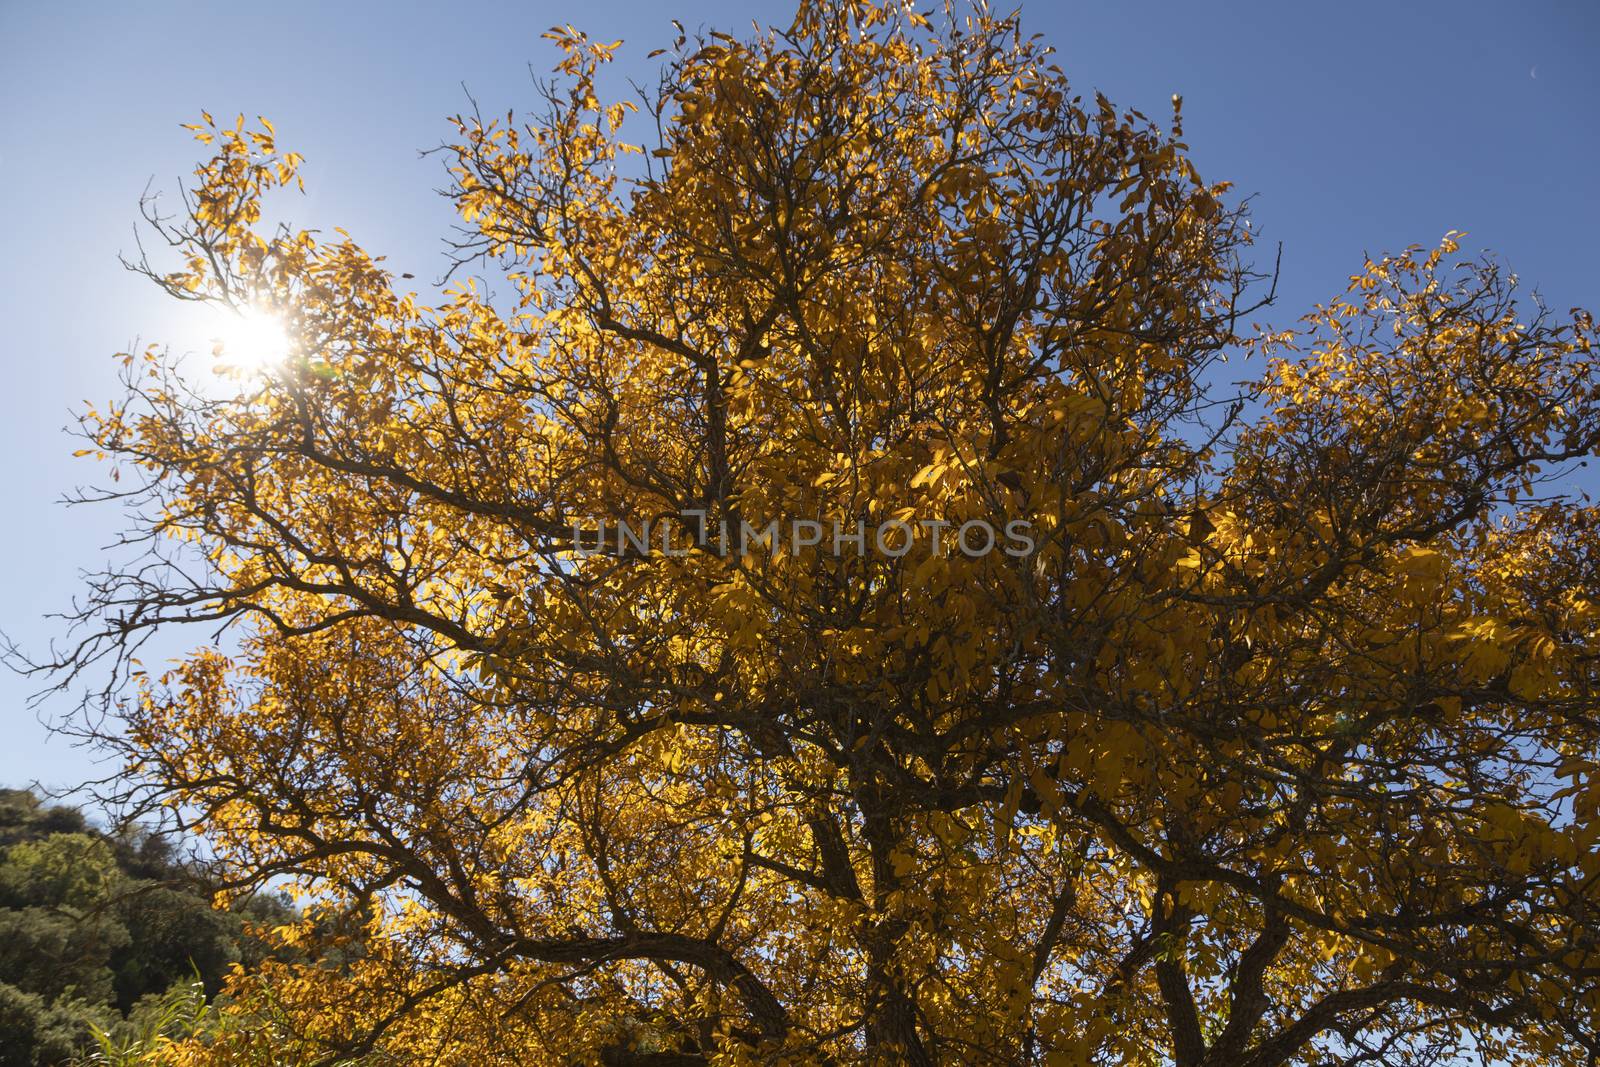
(1272, 742)
(97, 926)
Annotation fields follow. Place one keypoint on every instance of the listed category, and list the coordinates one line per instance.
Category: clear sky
(1359, 126)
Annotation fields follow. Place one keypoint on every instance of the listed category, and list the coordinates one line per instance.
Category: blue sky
(1358, 127)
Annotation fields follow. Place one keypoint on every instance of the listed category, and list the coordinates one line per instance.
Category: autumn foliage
(1279, 746)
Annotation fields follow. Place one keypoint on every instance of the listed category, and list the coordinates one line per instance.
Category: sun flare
(251, 339)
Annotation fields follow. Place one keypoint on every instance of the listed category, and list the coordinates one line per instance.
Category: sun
(250, 339)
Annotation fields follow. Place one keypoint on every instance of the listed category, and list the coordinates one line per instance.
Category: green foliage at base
(107, 940)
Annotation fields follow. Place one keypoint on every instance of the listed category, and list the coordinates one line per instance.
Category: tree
(93, 924)
(34, 1031)
(1264, 734)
